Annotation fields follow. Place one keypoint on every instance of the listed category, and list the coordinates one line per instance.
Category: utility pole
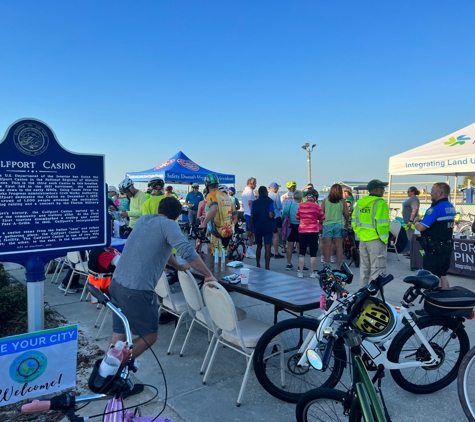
(309, 150)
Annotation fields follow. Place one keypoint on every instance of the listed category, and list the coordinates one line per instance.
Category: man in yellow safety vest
(370, 220)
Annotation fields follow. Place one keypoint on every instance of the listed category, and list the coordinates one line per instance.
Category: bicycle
(463, 224)
(423, 354)
(361, 400)
(465, 382)
(237, 245)
(199, 234)
(350, 248)
(111, 388)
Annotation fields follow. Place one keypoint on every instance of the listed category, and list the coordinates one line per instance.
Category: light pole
(309, 150)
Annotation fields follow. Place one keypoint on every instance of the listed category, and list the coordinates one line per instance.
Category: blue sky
(239, 86)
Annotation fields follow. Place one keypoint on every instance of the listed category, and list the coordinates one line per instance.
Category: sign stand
(35, 277)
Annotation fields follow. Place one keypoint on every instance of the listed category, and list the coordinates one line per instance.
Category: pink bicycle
(111, 388)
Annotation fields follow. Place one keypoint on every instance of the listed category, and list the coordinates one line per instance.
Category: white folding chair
(57, 269)
(78, 266)
(241, 336)
(198, 311)
(395, 229)
(173, 303)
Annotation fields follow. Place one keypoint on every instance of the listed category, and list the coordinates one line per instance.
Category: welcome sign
(36, 364)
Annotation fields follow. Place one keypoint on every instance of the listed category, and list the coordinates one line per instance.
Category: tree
(467, 178)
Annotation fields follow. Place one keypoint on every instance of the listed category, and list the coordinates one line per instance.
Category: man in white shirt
(273, 194)
(247, 198)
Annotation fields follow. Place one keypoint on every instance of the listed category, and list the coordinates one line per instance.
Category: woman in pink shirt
(310, 215)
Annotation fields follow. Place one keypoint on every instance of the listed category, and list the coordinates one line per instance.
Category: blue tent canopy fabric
(179, 169)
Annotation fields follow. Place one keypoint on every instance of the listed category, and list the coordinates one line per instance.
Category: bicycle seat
(423, 280)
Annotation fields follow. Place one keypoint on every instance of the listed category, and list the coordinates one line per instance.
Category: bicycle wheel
(288, 336)
(355, 254)
(465, 383)
(238, 252)
(448, 339)
(323, 404)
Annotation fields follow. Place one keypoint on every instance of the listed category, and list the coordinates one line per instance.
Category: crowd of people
(294, 222)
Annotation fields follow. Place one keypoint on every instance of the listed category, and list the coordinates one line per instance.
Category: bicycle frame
(374, 351)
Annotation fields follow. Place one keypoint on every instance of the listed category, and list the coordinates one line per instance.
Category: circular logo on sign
(188, 164)
(28, 366)
(31, 139)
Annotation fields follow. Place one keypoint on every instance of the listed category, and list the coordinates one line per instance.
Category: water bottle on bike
(112, 361)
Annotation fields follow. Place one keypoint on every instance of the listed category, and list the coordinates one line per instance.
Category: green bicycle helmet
(211, 179)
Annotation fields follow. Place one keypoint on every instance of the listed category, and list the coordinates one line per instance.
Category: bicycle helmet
(156, 184)
(195, 185)
(211, 179)
(231, 190)
(311, 192)
(378, 321)
(125, 184)
(223, 188)
(291, 184)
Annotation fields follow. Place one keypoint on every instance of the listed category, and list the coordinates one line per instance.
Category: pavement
(188, 400)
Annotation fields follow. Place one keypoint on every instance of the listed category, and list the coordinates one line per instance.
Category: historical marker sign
(51, 200)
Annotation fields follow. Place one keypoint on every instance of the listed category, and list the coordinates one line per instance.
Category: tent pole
(455, 190)
(389, 190)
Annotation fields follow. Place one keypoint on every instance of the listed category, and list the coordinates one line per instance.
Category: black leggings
(308, 240)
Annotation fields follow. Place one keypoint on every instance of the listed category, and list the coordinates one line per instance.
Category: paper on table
(235, 264)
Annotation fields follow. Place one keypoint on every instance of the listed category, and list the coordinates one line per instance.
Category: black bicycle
(237, 245)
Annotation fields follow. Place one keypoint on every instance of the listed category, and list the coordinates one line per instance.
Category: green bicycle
(361, 401)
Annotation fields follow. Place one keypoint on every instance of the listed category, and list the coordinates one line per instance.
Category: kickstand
(380, 375)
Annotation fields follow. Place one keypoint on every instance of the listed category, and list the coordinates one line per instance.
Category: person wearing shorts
(310, 214)
(147, 251)
(336, 219)
(273, 192)
(263, 225)
(437, 228)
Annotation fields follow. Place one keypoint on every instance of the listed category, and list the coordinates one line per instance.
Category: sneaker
(71, 290)
(299, 274)
(322, 259)
(288, 267)
(314, 274)
(333, 259)
(279, 256)
(165, 318)
(138, 388)
(305, 268)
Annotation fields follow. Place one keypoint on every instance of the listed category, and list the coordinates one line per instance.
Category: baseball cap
(274, 185)
(375, 183)
(113, 189)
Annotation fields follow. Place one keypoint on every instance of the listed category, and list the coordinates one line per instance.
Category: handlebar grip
(341, 290)
(36, 406)
(101, 297)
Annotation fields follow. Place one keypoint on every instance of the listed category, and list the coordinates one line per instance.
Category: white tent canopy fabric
(450, 155)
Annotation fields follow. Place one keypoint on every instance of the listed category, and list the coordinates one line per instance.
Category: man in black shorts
(436, 229)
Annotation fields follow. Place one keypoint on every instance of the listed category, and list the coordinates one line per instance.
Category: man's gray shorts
(139, 306)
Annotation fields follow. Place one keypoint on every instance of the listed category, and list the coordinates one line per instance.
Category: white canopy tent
(451, 155)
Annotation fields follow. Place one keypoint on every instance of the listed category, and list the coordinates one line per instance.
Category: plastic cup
(245, 275)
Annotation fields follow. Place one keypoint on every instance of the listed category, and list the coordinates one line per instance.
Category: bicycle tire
(323, 404)
(415, 379)
(298, 380)
(238, 252)
(355, 254)
(465, 379)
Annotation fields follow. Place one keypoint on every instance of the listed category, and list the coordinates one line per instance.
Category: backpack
(286, 225)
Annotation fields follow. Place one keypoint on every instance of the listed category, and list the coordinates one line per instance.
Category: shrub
(4, 278)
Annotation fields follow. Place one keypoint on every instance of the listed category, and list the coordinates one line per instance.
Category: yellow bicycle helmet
(291, 184)
(378, 320)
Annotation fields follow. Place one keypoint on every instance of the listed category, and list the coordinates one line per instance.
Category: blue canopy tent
(179, 169)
